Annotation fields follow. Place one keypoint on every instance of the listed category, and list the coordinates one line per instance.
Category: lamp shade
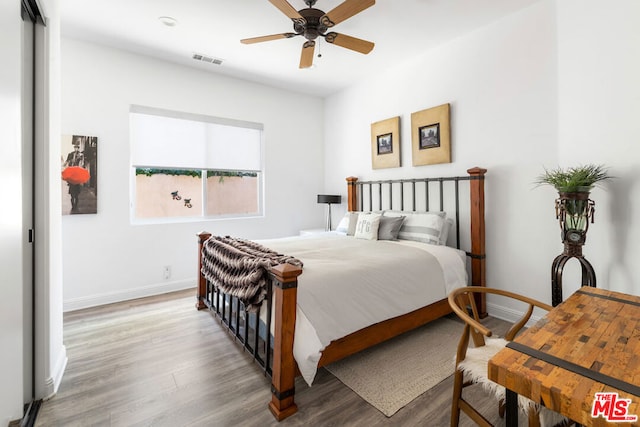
(328, 198)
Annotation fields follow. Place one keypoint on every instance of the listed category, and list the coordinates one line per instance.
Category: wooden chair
(471, 362)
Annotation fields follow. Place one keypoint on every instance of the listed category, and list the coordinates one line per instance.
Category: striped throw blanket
(240, 268)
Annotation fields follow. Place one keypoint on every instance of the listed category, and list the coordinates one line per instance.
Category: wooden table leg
(512, 409)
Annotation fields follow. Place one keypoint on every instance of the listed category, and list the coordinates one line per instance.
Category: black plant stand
(574, 211)
(571, 250)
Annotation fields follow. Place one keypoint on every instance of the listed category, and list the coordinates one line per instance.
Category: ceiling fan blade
(306, 58)
(286, 8)
(353, 43)
(268, 38)
(345, 10)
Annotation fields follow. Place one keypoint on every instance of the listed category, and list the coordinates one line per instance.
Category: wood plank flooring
(159, 362)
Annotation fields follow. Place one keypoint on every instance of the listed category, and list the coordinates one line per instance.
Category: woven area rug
(392, 374)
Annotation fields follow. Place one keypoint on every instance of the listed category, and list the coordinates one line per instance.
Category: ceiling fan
(312, 23)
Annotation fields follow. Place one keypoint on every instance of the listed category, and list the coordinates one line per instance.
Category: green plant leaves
(574, 179)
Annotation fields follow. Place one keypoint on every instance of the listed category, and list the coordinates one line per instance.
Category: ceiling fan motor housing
(313, 25)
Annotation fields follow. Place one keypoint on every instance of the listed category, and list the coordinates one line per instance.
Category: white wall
(105, 257)
(11, 322)
(599, 106)
(537, 89)
(555, 84)
(51, 355)
(501, 82)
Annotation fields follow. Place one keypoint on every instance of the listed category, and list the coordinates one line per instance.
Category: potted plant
(577, 179)
(573, 207)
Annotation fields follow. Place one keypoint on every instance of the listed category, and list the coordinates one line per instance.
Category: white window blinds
(161, 138)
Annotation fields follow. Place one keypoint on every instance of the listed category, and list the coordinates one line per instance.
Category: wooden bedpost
(283, 371)
(202, 282)
(352, 194)
(478, 267)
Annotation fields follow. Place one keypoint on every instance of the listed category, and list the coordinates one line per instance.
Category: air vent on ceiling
(205, 58)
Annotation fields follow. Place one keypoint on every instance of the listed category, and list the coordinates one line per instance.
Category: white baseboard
(52, 383)
(128, 294)
(59, 368)
(509, 314)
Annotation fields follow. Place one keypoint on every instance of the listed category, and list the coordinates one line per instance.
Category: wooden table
(588, 344)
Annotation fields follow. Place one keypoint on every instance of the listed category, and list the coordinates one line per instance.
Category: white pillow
(348, 223)
(444, 235)
(423, 227)
(367, 226)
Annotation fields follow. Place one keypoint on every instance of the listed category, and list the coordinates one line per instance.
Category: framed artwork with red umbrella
(79, 174)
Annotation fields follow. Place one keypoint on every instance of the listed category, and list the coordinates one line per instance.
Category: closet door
(27, 96)
(31, 19)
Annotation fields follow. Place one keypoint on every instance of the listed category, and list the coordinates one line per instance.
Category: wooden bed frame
(285, 281)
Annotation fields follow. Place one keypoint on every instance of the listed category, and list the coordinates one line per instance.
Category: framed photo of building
(385, 143)
(430, 136)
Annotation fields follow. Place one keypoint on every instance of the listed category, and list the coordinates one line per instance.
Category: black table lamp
(329, 200)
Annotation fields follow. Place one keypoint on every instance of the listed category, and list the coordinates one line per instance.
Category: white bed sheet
(366, 303)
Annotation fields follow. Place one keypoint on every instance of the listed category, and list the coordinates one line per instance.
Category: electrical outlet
(166, 271)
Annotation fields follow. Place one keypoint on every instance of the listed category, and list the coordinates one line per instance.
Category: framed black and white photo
(385, 143)
(430, 136)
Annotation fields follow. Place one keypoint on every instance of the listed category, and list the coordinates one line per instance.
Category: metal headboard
(396, 193)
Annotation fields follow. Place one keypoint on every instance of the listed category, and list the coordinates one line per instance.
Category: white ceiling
(400, 29)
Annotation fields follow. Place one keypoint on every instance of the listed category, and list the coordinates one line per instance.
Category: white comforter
(348, 284)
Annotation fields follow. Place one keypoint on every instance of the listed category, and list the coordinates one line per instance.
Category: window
(187, 165)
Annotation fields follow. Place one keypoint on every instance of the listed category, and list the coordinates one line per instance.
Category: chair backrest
(463, 302)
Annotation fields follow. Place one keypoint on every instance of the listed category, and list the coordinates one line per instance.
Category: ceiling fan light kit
(312, 23)
(168, 21)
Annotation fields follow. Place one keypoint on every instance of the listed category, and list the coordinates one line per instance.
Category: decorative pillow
(367, 226)
(423, 227)
(348, 223)
(389, 227)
